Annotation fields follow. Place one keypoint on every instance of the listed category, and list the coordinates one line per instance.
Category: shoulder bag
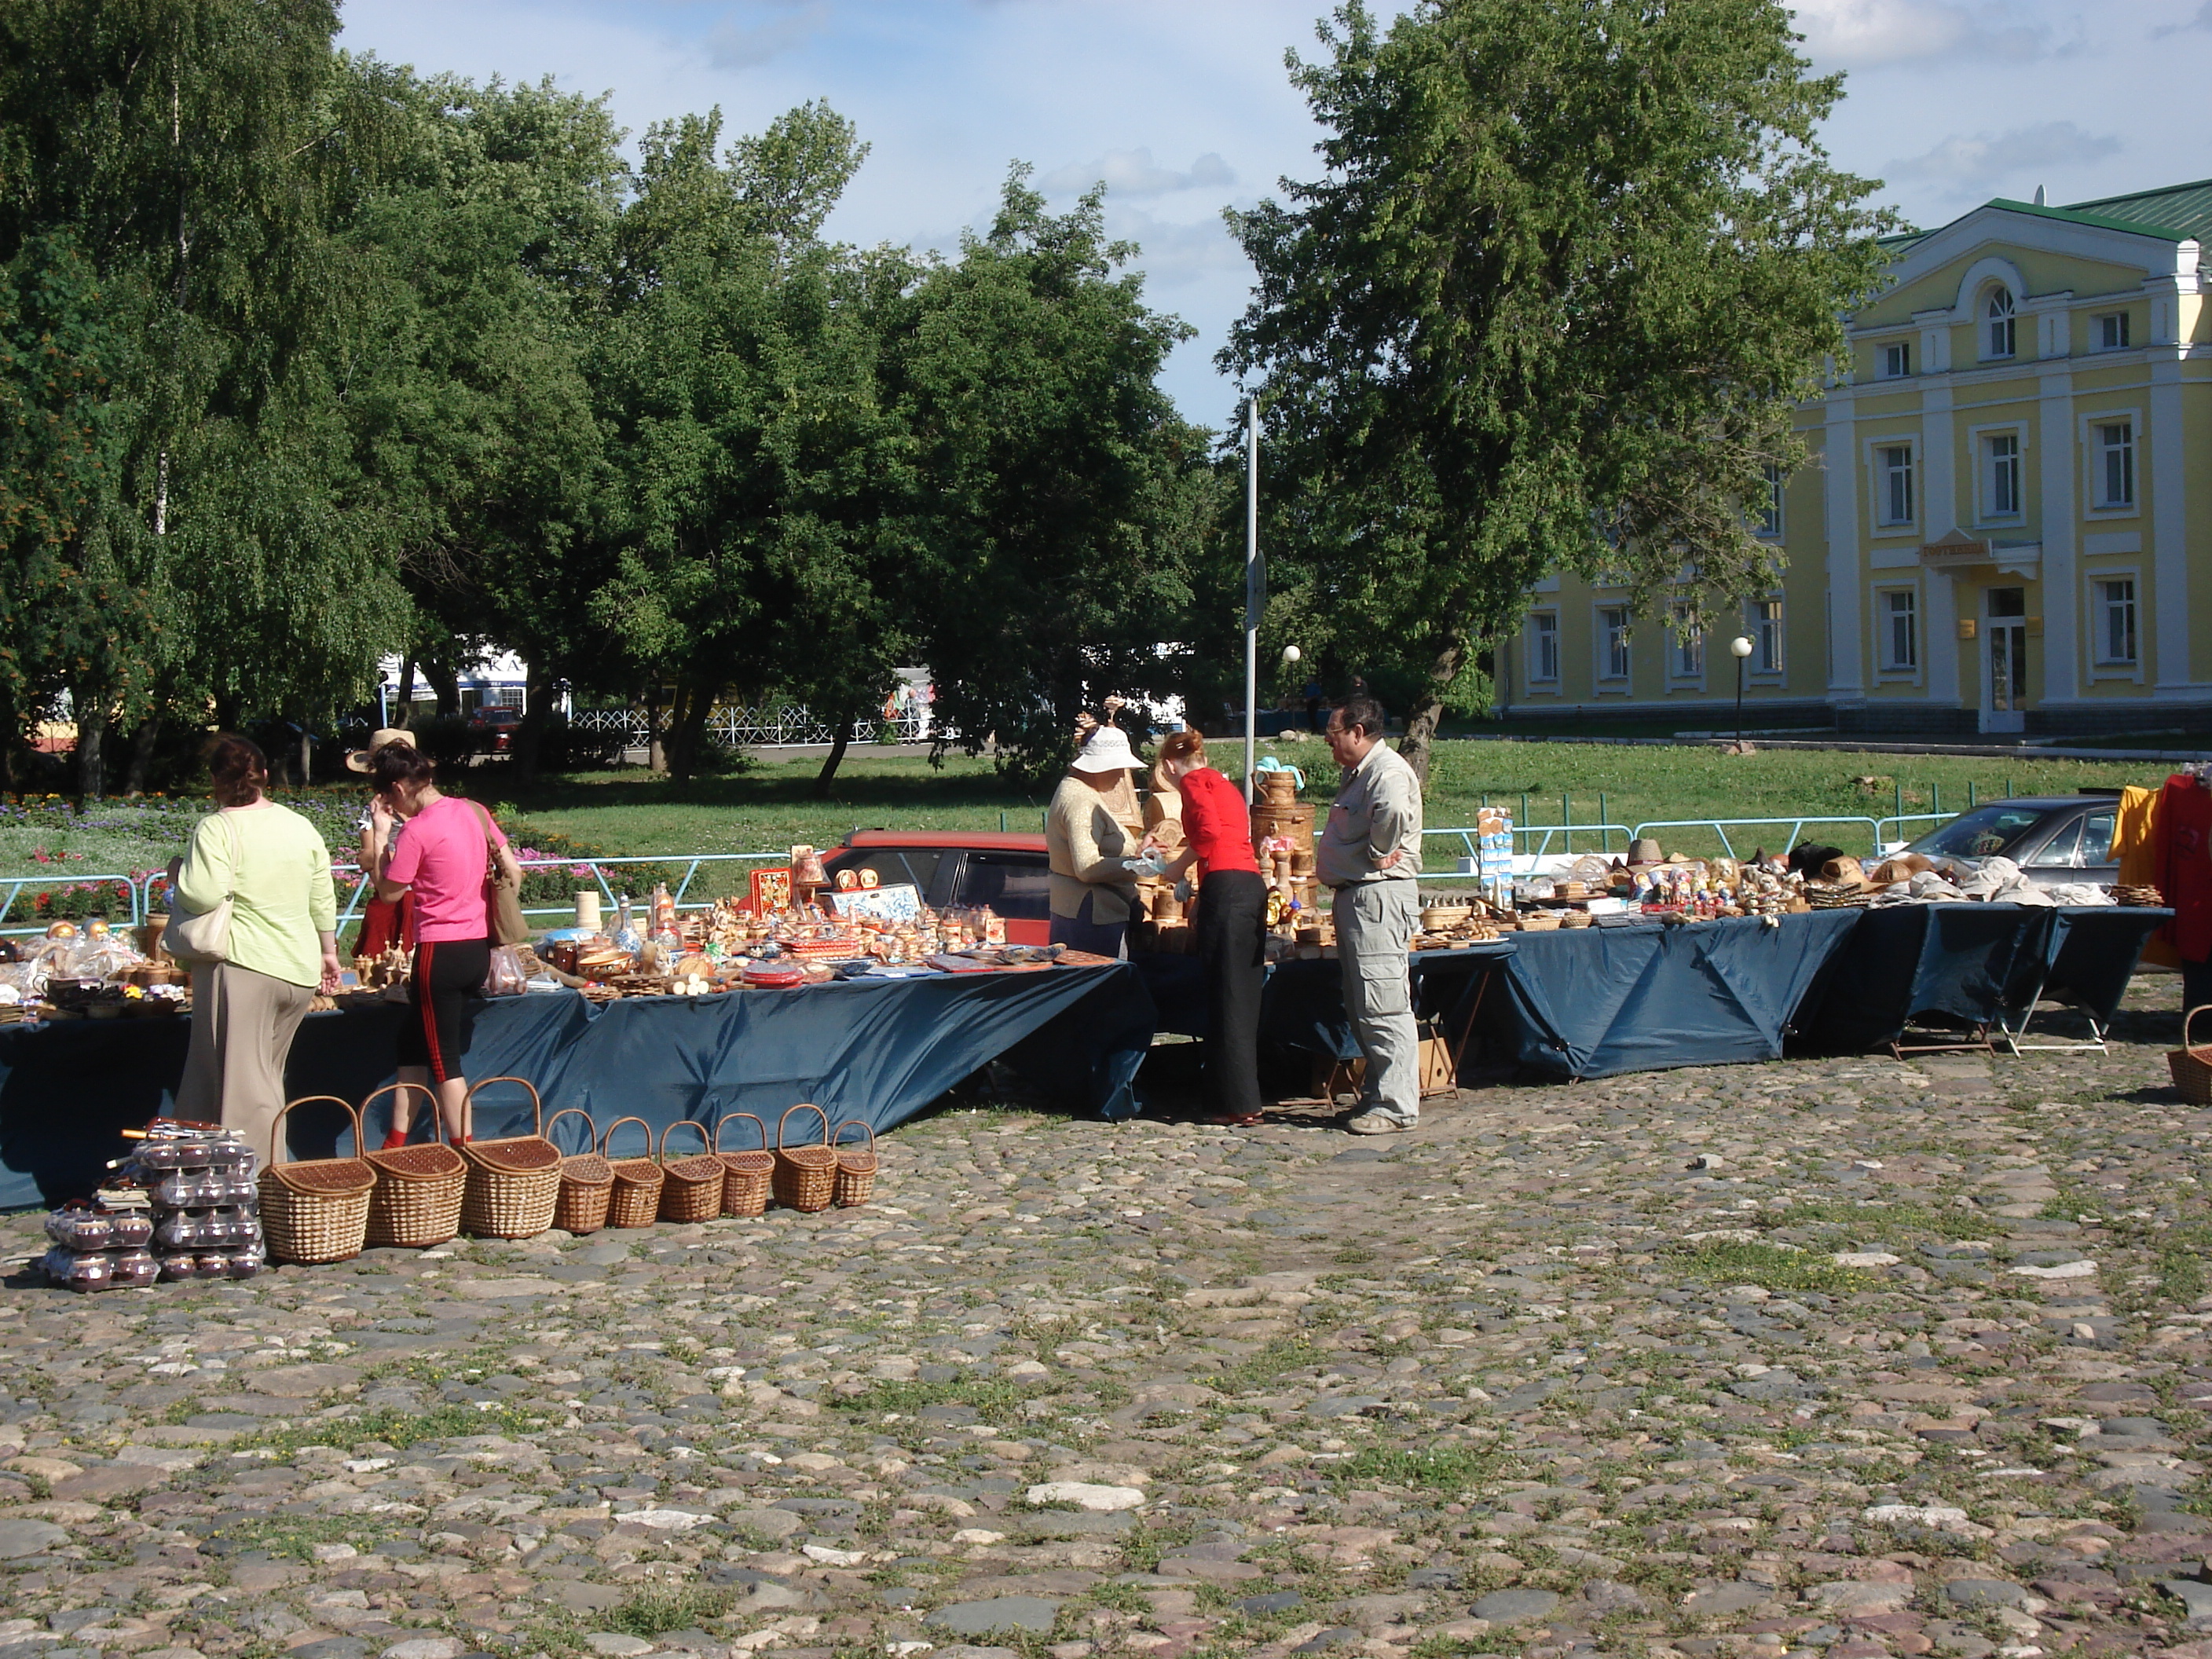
(502, 898)
(202, 939)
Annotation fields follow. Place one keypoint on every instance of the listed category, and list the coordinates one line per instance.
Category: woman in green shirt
(269, 860)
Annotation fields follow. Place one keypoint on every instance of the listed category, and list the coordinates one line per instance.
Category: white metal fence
(767, 725)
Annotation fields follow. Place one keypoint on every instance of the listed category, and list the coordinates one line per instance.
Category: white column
(1939, 516)
(1839, 499)
(2168, 527)
(2062, 587)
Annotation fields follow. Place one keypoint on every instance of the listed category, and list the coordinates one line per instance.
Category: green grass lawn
(772, 806)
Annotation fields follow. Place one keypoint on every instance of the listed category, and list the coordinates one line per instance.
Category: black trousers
(1232, 929)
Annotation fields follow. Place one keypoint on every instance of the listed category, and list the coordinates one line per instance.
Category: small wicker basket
(635, 1198)
(2192, 1066)
(416, 1201)
(856, 1166)
(514, 1181)
(587, 1180)
(747, 1174)
(805, 1176)
(316, 1210)
(691, 1188)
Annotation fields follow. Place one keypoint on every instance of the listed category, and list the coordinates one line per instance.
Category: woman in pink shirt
(442, 861)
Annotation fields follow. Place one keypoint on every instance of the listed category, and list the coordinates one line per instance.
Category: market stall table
(878, 1051)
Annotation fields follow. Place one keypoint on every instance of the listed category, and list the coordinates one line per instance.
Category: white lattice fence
(767, 725)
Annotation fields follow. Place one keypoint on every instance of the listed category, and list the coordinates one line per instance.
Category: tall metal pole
(1252, 597)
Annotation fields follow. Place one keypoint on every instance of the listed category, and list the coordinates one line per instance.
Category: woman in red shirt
(1232, 923)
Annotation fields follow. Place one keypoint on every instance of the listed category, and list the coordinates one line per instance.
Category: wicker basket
(2192, 1066)
(806, 1176)
(691, 1188)
(514, 1182)
(416, 1201)
(856, 1166)
(316, 1210)
(635, 1197)
(746, 1174)
(587, 1180)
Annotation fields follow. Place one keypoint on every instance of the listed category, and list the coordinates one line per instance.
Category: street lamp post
(1741, 649)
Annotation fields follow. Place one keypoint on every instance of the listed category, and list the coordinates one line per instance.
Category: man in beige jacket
(1092, 890)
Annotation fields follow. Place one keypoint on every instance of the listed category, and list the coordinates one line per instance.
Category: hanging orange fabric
(2136, 847)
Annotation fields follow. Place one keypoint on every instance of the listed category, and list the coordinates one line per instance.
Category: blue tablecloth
(876, 1050)
(1599, 1002)
(1301, 1008)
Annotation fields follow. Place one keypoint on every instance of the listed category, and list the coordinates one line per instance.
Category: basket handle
(732, 1117)
(2185, 1019)
(393, 1089)
(276, 1125)
(607, 1140)
(862, 1125)
(705, 1145)
(803, 1106)
(537, 1106)
(591, 1129)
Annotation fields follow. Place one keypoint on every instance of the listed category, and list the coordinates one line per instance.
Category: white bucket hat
(1106, 750)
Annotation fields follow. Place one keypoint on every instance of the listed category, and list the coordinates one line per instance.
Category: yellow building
(1992, 531)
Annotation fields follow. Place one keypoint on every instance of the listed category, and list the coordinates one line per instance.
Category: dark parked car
(2055, 839)
(1007, 873)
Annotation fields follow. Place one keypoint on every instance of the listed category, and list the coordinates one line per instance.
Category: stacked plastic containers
(202, 1218)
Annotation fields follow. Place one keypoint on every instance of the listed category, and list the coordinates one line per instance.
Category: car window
(2061, 848)
(894, 866)
(1982, 833)
(2097, 838)
(1017, 884)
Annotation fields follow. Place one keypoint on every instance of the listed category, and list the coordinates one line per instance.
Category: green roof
(2135, 225)
(2179, 210)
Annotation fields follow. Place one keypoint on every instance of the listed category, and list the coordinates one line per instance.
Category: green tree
(1570, 267)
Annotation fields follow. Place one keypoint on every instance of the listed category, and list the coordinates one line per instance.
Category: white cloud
(1133, 173)
(1869, 34)
(1982, 162)
(731, 46)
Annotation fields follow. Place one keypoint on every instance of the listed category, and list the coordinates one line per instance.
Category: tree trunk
(841, 734)
(1428, 709)
(696, 701)
(446, 680)
(656, 752)
(530, 735)
(406, 698)
(142, 740)
(91, 744)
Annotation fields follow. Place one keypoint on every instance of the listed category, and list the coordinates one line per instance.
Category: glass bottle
(626, 937)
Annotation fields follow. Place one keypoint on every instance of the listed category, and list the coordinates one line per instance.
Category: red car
(1007, 873)
(493, 727)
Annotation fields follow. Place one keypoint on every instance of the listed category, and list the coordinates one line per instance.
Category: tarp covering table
(1909, 962)
(876, 1050)
(2092, 953)
(1302, 1007)
(1599, 1002)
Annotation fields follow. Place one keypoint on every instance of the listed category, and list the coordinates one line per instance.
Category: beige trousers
(243, 1023)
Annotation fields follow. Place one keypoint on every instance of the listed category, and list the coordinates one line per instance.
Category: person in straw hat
(1090, 848)
(384, 923)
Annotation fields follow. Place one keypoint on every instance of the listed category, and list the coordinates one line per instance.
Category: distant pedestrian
(1370, 857)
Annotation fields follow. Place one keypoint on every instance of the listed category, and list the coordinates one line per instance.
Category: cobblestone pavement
(1838, 1358)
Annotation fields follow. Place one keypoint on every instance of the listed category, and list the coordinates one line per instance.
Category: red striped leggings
(443, 994)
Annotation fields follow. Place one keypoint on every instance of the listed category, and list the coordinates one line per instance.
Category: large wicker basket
(315, 1210)
(514, 1181)
(635, 1201)
(417, 1200)
(805, 1176)
(856, 1166)
(691, 1188)
(587, 1180)
(2192, 1066)
(747, 1172)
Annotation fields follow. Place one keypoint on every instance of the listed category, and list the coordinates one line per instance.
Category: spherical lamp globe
(1740, 645)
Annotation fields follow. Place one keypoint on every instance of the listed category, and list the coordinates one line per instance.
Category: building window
(1901, 644)
(1893, 471)
(2000, 321)
(2116, 463)
(1770, 514)
(2003, 475)
(2112, 331)
(1897, 361)
(1689, 642)
(1613, 630)
(2116, 621)
(1544, 647)
(1766, 636)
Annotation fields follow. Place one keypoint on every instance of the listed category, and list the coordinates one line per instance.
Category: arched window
(2000, 324)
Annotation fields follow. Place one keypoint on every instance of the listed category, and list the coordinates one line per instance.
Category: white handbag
(202, 940)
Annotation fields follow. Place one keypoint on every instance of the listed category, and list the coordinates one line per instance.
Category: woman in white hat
(1092, 890)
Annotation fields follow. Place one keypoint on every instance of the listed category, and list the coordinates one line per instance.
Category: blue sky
(1184, 106)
